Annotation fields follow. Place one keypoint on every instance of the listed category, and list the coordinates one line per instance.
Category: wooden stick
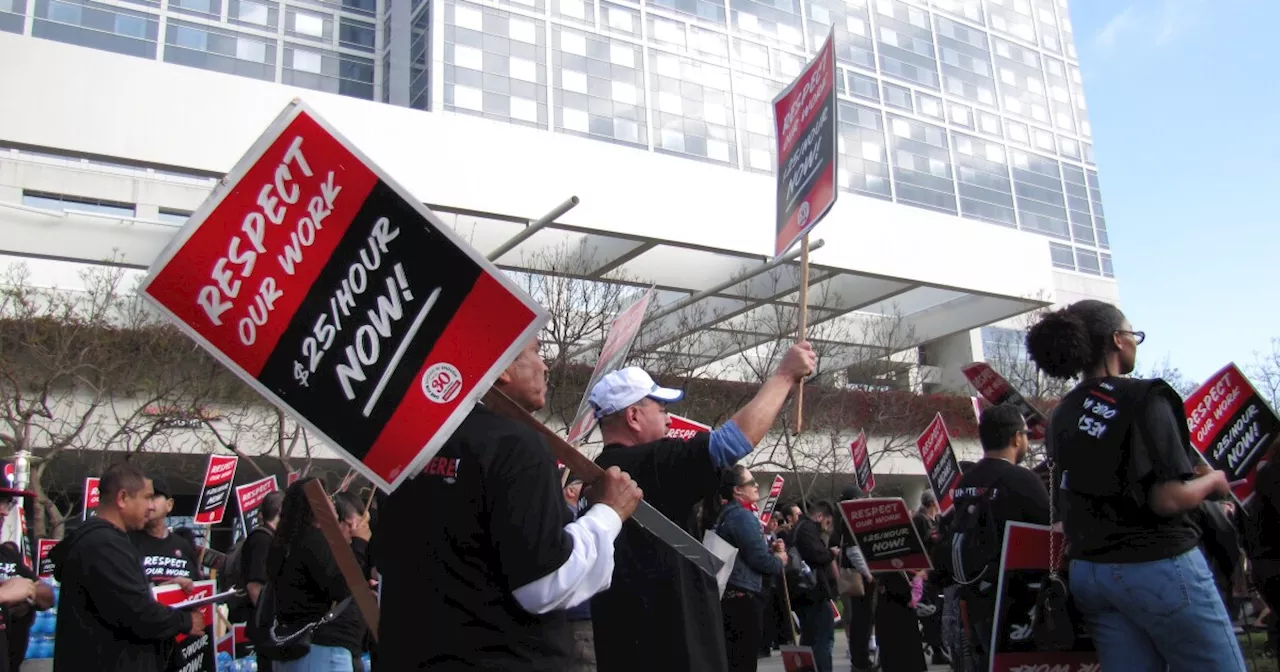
(804, 323)
(373, 492)
(791, 623)
(342, 554)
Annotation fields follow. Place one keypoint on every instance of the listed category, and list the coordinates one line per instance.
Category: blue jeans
(1156, 616)
(319, 659)
(818, 631)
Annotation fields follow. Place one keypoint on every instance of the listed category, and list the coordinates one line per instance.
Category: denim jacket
(741, 529)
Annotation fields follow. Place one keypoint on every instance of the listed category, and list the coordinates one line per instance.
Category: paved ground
(840, 659)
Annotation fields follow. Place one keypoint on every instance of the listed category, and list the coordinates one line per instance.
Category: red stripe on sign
(821, 196)
(240, 277)
(489, 320)
(1213, 404)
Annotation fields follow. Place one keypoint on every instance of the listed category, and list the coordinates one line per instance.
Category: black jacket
(107, 616)
(815, 553)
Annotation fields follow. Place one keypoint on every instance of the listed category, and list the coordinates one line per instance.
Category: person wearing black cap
(859, 612)
(166, 557)
(108, 618)
(14, 567)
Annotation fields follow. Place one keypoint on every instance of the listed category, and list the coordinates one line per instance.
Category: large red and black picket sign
(249, 497)
(940, 463)
(1232, 426)
(198, 654)
(1024, 564)
(862, 463)
(885, 534)
(341, 298)
(44, 567)
(215, 492)
(613, 354)
(91, 498)
(996, 390)
(771, 502)
(804, 117)
(684, 429)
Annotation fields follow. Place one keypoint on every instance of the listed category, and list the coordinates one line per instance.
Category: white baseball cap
(624, 387)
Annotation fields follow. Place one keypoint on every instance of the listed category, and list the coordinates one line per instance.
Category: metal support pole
(533, 227)
(692, 299)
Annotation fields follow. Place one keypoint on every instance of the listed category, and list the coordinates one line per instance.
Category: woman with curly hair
(1124, 483)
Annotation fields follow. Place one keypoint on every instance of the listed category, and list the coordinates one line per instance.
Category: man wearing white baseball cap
(663, 612)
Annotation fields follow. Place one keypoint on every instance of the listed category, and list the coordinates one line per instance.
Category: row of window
(47, 201)
(1085, 261)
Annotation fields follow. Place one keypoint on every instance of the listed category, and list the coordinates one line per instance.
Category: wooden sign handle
(346, 559)
(804, 324)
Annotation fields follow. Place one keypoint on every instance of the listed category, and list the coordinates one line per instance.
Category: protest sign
(215, 492)
(90, 498)
(45, 567)
(862, 464)
(804, 117)
(798, 659)
(939, 462)
(1232, 427)
(613, 354)
(771, 502)
(191, 654)
(883, 530)
(334, 293)
(996, 390)
(250, 497)
(1024, 565)
(684, 429)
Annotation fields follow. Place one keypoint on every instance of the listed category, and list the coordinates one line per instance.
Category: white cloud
(1150, 23)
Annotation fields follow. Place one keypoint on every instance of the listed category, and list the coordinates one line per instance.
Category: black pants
(859, 619)
(741, 612)
(1269, 587)
(768, 622)
(931, 626)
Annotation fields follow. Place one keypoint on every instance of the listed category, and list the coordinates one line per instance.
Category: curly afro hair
(1066, 342)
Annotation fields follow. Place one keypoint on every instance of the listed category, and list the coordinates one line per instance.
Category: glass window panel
(1087, 261)
(253, 12)
(864, 166)
(33, 199)
(1061, 256)
(306, 61)
(921, 165)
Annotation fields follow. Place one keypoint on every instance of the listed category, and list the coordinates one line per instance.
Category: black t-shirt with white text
(485, 517)
(1017, 494)
(17, 621)
(165, 559)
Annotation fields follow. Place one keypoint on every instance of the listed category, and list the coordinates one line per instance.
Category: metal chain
(1055, 553)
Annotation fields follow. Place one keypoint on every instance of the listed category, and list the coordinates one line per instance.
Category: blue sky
(1184, 101)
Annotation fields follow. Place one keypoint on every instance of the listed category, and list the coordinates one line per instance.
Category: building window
(599, 85)
(211, 8)
(47, 201)
(306, 24)
(852, 22)
(500, 87)
(864, 159)
(219, 50)
(983, 180)
(357, 35)
(1087, 261)
(1061, 256)
(906, 43)
(97, 26)
(1107, 270)
(921, 165)
(1037, 185)
(175, 217)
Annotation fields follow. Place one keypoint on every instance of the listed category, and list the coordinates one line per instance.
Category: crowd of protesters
(498, 558)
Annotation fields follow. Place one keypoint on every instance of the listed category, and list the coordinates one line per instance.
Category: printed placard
(293, 477)
(250, 497)
(862, 464)
(883, 530)
(940, 463)
(996, 390)
(190, 654)
(617, 345)
(804, 117)
(338, 296)
(1232, 426)
(212, 504)
(43, 547)
(798, 659)
(771, 502)
(1024, 565)
(91, 498)
(684, 429)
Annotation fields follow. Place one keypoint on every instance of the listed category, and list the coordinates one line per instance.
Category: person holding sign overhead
(1124, 482)
(681, 627)
(108, 618)
(481, 546)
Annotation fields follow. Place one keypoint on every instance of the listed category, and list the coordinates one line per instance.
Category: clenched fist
(799, 362)
(618, 491)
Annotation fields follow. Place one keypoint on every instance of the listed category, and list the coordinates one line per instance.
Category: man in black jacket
(662, 612)
(108, 617)
(817, 624)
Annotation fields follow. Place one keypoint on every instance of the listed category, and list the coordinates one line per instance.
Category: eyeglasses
(749, 484)
(1138, 336)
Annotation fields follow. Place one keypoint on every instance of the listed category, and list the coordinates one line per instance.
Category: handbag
(849, 583)
(1053, 628)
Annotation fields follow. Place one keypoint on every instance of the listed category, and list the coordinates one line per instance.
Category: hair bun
(1059, 344)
